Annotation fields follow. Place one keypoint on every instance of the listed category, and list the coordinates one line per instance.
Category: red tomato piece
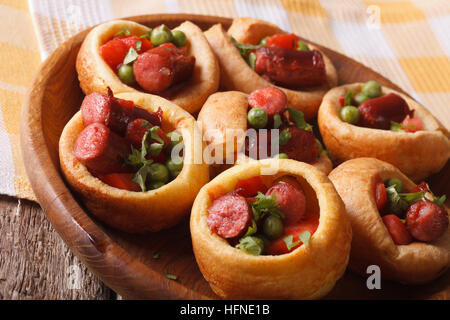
(131, 42)
(250, 187)
(121, 181)
(113, 52)
(397, 229)
(285, 41)
(342, 101)
(380, 195)
(413, 122)
(278, 246)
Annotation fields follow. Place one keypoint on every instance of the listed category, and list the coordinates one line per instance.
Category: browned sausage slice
(291, 68)
(426, 221)
(101, 150)
(302, 145)
(229, 216)
(379, 112)
(291, 200)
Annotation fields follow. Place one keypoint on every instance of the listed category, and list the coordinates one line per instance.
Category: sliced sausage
(113, 112)
(397, 229)
(301, 146)
(159, 68)
(270, 99)
(229, 216)
(101, 150)
(379, 112)
(254, 146)
(426, 221)
(291, 68)
(291, 200)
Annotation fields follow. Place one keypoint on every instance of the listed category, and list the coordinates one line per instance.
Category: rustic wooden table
(35, 263)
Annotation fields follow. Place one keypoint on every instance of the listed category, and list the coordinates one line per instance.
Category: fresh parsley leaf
(412, 197)
(251, 229)
(284, 137)
(155, 256)
(348, 98)
(244, 48)
(302, 237)
(140, 176)
(398, 202)
(265, 205)
(146, 35)
(276, 121)
(250, 244)
(395, 126)
(440, 201)
(170, 276)
(124, 32)
(154, 133)
(138, 45)
(131, 56)
(403, 221)
(288, 240)
(299, 119)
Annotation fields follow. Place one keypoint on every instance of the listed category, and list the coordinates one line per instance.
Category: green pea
(360, 98)
(175, 138)
(174, 166)
(372, 89)
(263, 42)
(156, 185)
(179, 38)
(257, 118)
(158, 172)
(161, 35)
(301, 46)
(350, 114)
(273, 227)
(252, 60)
(398, 185)
(126, 74)
(281, 156)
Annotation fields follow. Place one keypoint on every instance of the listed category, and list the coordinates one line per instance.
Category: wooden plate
(124, 262)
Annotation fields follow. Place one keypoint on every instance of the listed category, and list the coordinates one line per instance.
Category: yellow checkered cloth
(406, 41)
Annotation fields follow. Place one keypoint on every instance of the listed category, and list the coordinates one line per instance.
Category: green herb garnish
(131, 56)
(266, 205)
(170, 276)
(299, 119)
(124, 32)
(250, 244)
(244, 48)
(395, 126)
(155, 256)
(398, 202)
(138, 45)
(348, 98)
(251, 229)
(302, 237)
(440, 201)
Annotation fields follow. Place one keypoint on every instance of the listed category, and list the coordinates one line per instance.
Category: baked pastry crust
(225, 112)
(237, 75)
(138, 212)
(416, 263)
(418, 154)
(233, 274)
(95, 75)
